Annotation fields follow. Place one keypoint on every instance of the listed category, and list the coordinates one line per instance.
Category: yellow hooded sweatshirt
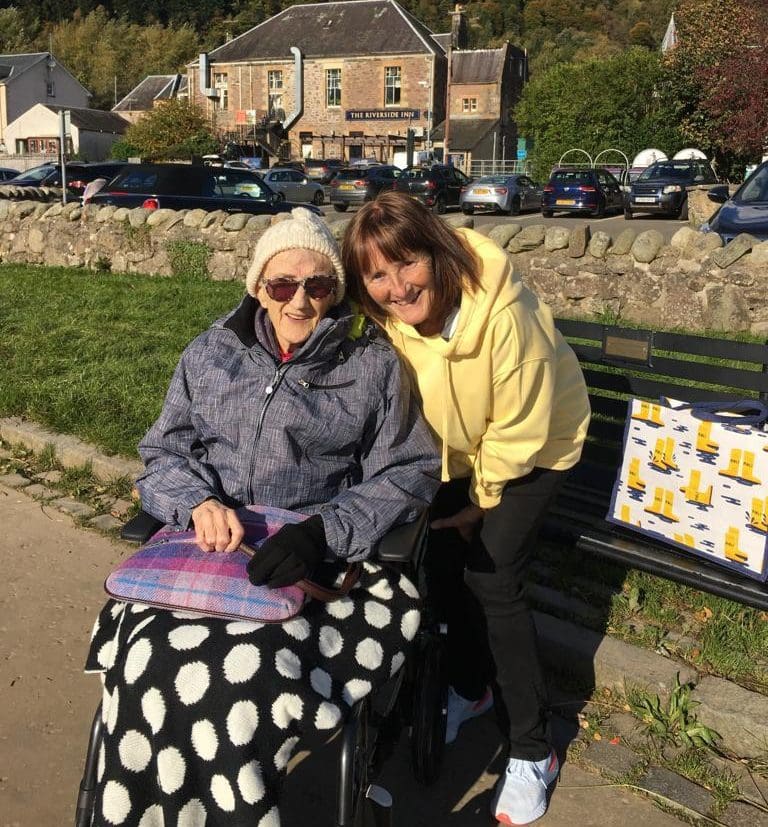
(505, 392)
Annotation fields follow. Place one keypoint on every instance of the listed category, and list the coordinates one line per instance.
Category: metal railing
(478, 168)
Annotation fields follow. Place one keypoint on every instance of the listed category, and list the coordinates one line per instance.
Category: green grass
(91, 354)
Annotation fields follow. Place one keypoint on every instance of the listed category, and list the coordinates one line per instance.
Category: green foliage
(189, 259)
(597, 104)
(122, 150)
(674, 722)
(174, 129)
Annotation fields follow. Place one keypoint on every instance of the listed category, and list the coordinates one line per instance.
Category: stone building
(339, 79)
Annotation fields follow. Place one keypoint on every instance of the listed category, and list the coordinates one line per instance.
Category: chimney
(459, 31)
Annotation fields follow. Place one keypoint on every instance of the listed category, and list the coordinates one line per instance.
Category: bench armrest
(399, 545)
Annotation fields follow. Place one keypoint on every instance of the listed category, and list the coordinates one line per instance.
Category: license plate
(480, 191)
(565, 201)
(346, 186)
(645, 199)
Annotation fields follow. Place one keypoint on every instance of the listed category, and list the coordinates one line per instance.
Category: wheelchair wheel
(353, 767)
(430, 696)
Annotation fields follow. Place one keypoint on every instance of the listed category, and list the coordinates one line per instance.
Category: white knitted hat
(302, 231)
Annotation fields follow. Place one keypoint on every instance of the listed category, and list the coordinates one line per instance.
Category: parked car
(581, 189)
(181, 186)
(322, 170)
(356, 185)
(294, 185)
(663, 187)
(746, 211)
(508, 194)
(438, 186)
(78, 175)
(7, 172)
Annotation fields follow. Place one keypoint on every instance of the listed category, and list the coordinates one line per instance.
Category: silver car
(509, 194)
(294, 185)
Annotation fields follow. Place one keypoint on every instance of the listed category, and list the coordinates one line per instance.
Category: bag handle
(750, 411)
(325, 594)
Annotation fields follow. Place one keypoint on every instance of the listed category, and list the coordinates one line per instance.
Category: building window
(333, 87)
(391, 85)
(50, 89)
(469, 104)
(221, 83)
(275, 92)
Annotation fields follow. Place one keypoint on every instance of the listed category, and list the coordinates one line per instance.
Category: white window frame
(392, 85)
(468, 105)
(333, 88)
(221, 83)
(274, 90)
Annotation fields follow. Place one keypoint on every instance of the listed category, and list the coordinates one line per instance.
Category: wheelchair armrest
(400, 544)
(141, 527)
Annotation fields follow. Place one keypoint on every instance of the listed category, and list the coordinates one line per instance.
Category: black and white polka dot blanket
(202, 715)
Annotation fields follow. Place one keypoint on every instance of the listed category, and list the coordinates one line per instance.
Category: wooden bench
(620, 363)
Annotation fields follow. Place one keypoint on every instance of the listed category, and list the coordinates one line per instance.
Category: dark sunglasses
(284, 289)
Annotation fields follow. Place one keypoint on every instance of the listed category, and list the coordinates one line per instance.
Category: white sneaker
(521, 794)
(461, 709)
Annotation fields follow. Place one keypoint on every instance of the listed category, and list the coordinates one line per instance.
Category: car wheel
(683, 214)
(547, 213)
(467, 209)
(318, 199)
(340, 207)
(515, 205)
(628, 216)
(439, 205)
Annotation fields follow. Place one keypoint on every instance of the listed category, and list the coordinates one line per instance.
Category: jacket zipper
(311, 386)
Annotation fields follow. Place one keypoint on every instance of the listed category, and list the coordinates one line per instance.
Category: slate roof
(94, 120)
(13, 65)
(466, 133)
(152, 88)
(342, 29)
(478, 66)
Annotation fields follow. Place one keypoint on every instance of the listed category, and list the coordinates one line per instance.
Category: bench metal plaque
(629, 346)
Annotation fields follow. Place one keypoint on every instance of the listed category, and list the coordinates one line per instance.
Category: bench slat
(642, 386)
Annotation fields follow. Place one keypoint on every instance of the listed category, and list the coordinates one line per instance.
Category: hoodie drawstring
(445, 475)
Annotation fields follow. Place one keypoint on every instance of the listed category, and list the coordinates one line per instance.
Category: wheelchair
(415, 697)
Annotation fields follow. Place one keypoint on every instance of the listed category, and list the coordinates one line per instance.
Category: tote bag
(171, 571)
(695, 476)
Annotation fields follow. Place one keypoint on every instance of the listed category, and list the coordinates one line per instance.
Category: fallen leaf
(616, 740)
(584, 724)
(695, 653)
(705, 614)
(597, 736)
(627, 708)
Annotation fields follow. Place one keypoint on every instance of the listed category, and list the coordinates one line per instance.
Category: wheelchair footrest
(378, 807)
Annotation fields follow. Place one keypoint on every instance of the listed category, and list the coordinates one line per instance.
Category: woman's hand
(217, 527)
(464, 521)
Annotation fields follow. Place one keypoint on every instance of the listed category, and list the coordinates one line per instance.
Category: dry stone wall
(693, 282)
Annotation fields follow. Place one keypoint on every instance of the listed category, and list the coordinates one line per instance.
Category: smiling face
(404, 289)
(295, 320)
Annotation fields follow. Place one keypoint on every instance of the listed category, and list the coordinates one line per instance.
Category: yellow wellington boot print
(732, 550)
(658, 502)
(626, 516)
(693, 494)
(704, 443)
(655, 415)
(667, 513)
(758, 518)
(748, 468)
(685, 539)
(733, 465)
(642, 414)
(634, 483)
(657, 458)
(669, 451)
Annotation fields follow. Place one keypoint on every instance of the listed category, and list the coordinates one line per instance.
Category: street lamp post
(430, 113)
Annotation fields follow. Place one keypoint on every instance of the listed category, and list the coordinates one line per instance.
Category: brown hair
(398, 226)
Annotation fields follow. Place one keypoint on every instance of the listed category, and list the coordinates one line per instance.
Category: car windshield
(351, 174)
(754, 189)
(568, 176)
(492, 179)
(37, 173)
(669, 172)
(415, 173)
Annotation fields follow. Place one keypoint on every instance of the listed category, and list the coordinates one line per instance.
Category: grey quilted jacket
(335, 430)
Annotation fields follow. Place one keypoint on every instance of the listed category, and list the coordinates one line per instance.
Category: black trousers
(478, 590)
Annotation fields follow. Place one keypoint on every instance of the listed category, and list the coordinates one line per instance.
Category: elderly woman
(291, 401)
(505, 395)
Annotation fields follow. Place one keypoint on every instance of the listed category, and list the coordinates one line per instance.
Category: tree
(173, 130)
(596, 105)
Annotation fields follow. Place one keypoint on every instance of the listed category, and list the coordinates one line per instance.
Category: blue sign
(382, 114)
(522, 154)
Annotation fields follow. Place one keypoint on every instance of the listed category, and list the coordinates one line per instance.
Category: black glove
(289, 555)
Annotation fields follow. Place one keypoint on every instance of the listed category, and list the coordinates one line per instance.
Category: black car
(356, 185)
(746, 211)
(78, 175)
(581, 189)
(438, 186)
(6, 173)
(663, 187)
(181, 186)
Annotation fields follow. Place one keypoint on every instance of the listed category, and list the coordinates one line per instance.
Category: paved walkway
(52, 576)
